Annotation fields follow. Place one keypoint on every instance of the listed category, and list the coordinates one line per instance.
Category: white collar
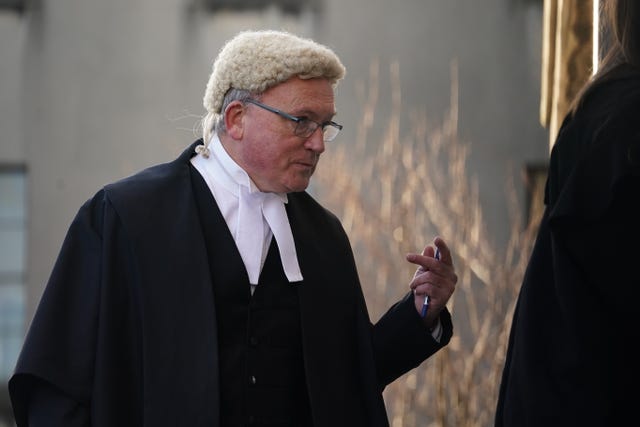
(254, 207)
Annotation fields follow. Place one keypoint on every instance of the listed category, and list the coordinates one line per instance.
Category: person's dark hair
(622, 26)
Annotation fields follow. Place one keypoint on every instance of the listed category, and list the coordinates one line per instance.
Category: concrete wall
(497, 47)
(12, 30)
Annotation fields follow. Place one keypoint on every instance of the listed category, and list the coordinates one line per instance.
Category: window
(16, 5)
(12, 265)
(295, 7)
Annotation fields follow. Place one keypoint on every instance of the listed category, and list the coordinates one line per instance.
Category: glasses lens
(330, 132)
(305, 128)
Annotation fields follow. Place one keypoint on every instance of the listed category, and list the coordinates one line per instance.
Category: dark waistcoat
(259, 339)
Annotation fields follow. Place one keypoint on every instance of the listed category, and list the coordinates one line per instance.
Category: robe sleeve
(57, 358)
(49, 407)
(401, 341)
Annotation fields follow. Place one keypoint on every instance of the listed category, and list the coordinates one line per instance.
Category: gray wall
(497, 47)
(11, 53)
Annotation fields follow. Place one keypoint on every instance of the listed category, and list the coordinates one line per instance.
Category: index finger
(425, 260)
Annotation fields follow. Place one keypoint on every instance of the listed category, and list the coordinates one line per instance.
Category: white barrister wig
(258, 60)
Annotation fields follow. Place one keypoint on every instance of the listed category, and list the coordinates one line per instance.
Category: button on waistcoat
(261, 369)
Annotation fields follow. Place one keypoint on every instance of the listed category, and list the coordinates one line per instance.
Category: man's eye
(305, 122)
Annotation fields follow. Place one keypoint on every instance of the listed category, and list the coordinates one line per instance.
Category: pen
(425, 305)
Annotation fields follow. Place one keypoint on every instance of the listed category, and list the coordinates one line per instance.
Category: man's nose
(315, 141)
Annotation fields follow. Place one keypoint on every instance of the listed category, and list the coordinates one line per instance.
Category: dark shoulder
(597, 150)
(320, 223)
(150, 183)
(151, 192)
(303, 203)
(612, 97)
(608, 114)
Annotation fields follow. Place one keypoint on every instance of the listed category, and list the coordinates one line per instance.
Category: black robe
(573, 356)
(126, 326)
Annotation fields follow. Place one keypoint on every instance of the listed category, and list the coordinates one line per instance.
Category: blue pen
(425, 305)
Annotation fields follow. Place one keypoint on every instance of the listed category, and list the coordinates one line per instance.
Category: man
(213, 290)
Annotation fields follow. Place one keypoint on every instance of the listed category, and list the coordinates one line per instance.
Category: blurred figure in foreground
(572, 358)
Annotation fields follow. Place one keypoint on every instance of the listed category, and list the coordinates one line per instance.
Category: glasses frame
(330, 129)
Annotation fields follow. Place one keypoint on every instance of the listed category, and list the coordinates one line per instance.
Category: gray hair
(215, 122)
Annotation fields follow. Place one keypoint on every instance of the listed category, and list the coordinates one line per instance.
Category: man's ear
(234, 119)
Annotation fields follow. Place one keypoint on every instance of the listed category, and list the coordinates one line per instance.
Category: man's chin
(300, 185)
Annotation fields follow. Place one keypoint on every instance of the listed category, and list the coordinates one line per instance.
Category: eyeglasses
(305, 127)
